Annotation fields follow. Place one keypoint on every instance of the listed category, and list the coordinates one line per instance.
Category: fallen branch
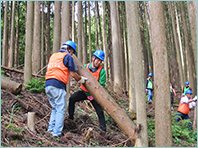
(43, 118)
(120, 142)
(19, 71)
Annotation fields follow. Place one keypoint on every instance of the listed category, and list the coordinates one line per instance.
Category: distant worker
(185, 88)
(185, 104)
(60, 66)
(99, 74)
(172, 90)
(149, 86)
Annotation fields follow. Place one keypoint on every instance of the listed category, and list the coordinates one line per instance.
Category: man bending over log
(60, 66)
(99, 74)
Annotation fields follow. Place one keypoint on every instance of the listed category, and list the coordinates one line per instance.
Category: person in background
(185, 104)
(99, 74)
(149, 86)
(172, 90)
(185, 88)
(60, 66)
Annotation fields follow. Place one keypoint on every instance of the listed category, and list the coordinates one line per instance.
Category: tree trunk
(144, 52)
(16, 51)
(42, 36)
(28, 42)
(96, 25)
(132, 96)
(192, 11)
(57, 27)
(90, 54)
(116, 51)
(107, 102)
(176, 41)
(73, 21)
(47, 33)
(80, 27)
(100, 32)
(84, 37)
(163, 132)
(125, 46)
(11, 50)
(195, 119)
(148, 30)
(142, 139)
(189, 55)
(36, 53)
(105, 39)
(65, 30)
(5, 36)
(121, 49)
(111, 72)
(14, 87)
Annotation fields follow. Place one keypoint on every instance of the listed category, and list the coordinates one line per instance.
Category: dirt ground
(14, 131)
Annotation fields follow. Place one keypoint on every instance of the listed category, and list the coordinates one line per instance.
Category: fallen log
(11, 85)
(107, 102)
(20, 71)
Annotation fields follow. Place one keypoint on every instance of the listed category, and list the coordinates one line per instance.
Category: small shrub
(36, 86)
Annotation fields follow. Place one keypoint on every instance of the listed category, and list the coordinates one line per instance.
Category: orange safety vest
(183, 108)
(56, 69)
(96, 75)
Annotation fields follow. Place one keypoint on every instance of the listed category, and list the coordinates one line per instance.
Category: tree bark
(105, 38)
(192, 11)
(31, 121)
(57, 27)
(89, 22)
(36, 53)
(189, 54)
(176, 41)
(80, 27)
(163, 132)
(11, 85)
(107, 102)
(16, 55)
(96, 26)
(28, 42)
(5, 36)
(116, 51)
(132, 97)
(47, 33)
(11, 50)
(142, 139)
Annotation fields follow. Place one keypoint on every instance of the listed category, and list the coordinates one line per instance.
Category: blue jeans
(57, 99)
(149, 91)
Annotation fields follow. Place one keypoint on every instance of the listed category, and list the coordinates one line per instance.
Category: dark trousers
(172, 99)
(185, 117)
(80, 96)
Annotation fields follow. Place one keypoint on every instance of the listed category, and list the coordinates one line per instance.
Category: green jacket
(102, 78)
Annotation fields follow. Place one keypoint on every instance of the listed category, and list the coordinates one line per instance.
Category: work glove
(82, 80)
(195, 98)
(90, 98)
(175, 95)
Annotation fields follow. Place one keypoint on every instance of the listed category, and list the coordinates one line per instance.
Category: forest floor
(14, 131)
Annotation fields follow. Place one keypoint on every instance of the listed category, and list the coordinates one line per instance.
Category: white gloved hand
(195, 98)
(82, 80)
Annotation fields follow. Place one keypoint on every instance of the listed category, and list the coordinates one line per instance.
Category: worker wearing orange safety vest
(185, 104)
(60, 66)
(99, 74)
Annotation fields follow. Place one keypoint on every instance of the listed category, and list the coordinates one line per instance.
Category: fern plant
(36, 85)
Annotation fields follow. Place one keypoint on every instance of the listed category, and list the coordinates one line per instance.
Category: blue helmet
(150, 74)
(187, 83)
(99, 54)
(71, 44)
(188, 92)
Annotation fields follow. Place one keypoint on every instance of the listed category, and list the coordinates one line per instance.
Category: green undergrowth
(36, 85)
